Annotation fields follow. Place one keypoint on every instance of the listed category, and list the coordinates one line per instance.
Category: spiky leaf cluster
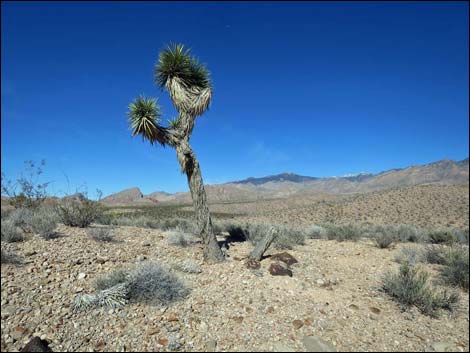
(144, 115)
(113, 297)
(176, 62)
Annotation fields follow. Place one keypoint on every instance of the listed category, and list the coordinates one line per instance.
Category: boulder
(285, 257)
(36, 345)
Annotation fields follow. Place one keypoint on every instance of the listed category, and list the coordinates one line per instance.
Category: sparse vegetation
(44, 222)
(22, 217)
(441, 236)
(347, 232)
(410, 287)
(10, 258)
(10, 232)
(315, 232)
(102, 234)
(26, 192)
(78, 211)
(455, 271)
(384, 237)
(178, 237)
(409, 255)
(188, 266)
(147, 282)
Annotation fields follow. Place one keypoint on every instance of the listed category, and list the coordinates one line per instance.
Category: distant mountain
(279, 177)
(128, 197)
(289, 184)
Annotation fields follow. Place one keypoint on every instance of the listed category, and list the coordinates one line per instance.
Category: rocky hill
(445, 171)
(132, 196)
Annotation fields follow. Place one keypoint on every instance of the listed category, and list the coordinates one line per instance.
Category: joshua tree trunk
(190, 166)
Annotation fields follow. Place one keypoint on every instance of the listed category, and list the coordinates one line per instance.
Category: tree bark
(262, 245)
(190, 166)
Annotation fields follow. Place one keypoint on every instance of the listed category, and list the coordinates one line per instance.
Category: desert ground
(333, 300)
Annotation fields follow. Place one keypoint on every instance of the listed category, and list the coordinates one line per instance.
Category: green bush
(409, 287)
(409, 255)
(384, 236)
(315, 232)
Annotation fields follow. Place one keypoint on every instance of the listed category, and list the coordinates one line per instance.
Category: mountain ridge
(444, 171)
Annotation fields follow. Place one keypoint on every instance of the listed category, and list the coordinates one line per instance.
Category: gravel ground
(333, 295)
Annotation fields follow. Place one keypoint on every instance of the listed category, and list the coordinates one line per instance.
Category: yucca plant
(189, 85)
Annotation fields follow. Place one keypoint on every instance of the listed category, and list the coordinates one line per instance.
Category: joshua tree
(188, 83)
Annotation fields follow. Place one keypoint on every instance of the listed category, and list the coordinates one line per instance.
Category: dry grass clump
(102, 234)
(10, 232)
(147, 282)
(44, 222)
(9, 258)
(409, 255)
(178, 237)
(384, 236)
(410, 287)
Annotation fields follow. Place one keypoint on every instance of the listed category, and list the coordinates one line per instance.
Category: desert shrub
(435, 254)
(188, 266)
(181, 223)
(384, 236)
(44, 222)
(10, 232)
(410, 287)
(288, 238)
(101, 234)
(147, 282)
(409, 255)
(9, 258)
(408, 233)
(179, 237)
(441, 236)
(343, 232)
(78, 212)
(455, 271)
(26, 192)
(112, 279)
(461, 235)
(104, 219)
(21, 217)
(315, 232)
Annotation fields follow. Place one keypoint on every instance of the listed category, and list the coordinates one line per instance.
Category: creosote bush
(315, 232)
(78, 212)
(409, 255)
(22, 217)
(410, 287)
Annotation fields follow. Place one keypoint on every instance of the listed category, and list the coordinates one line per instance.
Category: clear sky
(317, 89)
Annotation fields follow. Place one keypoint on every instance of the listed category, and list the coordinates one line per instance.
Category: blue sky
(317, 89)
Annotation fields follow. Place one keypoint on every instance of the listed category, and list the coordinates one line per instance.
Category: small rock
(238, 319)
(374, 310)
(18, 332)
(253, 264)
(354, 307)
(163, 341)
(146, 243)
(285, 257)
(140, 258)
(315, 344)
(320, 282)
(81, 276)
(279, 269)
(297, 324)
(153, 331)
(30, 253)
